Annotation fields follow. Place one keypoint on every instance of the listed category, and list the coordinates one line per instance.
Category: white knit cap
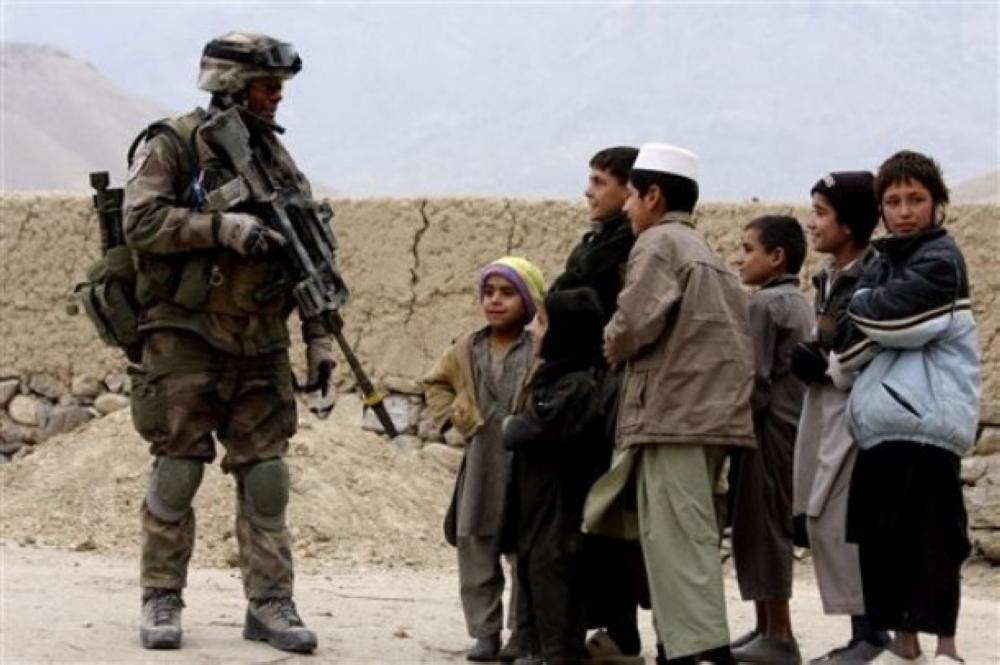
(667, 159)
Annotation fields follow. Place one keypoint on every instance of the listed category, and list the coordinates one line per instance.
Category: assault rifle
(309, 248)
(108, 206)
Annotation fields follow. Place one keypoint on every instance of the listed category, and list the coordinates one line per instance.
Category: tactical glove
(808, 364)
(244, 234)
(319, 376)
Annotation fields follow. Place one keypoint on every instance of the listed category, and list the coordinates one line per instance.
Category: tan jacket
(450, 389)
(682, 329)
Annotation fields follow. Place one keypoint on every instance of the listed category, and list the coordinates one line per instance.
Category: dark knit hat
(575, 325)
(852, 195)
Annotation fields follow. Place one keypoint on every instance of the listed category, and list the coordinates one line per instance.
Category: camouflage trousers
(186, 394)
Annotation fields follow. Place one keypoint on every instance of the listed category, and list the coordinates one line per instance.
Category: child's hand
(606, 350)
(808, 364)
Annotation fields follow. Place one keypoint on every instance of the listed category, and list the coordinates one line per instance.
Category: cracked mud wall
(411, 266)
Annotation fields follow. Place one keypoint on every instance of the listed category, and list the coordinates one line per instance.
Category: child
(473, 388)
(774, 248)
(559, 450)
(845, 213)
(682, 333)
(914, 412)
(613, 566)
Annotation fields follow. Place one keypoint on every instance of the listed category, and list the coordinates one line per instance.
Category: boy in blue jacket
(913, 411)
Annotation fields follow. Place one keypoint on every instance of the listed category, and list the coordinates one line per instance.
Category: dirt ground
(374, 578)
(62, 606)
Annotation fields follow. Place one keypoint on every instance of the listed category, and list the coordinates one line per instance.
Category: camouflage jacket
(185, 281)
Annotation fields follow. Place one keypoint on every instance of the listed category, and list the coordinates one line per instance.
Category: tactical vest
(213, 281)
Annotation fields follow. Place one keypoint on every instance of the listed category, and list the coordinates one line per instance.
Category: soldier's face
(264, 95)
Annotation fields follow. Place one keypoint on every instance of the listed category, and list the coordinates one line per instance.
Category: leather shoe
(485, 649)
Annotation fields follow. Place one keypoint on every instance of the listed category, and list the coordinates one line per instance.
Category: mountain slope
(63, 119)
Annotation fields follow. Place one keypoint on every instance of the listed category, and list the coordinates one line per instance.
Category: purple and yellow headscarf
(524, 275)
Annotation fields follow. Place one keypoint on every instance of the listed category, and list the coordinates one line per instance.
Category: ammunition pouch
(109, 299)
(217, 282)
(183, 279)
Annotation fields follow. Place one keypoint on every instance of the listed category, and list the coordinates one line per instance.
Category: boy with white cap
(682, 333)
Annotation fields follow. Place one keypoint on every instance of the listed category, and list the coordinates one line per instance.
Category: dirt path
(82, 607)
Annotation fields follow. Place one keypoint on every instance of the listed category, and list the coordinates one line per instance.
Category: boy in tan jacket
(473, 387)
(681, 332)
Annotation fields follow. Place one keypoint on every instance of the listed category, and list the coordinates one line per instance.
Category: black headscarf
(575, 329)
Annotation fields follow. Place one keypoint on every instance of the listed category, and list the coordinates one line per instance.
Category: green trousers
(663, 494)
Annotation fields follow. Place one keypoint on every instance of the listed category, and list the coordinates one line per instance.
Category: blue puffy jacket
(922, 383)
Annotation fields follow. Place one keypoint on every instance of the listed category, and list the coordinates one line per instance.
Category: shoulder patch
(140, 159)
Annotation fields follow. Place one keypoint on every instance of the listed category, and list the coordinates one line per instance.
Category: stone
(64, 419)
(428, 432)
(403, 415)
(453, 438)
(86, 386)
(110, 402)
(989, 413)
(26, 410)
(399, 384)
(8, 372)
(8, 388)
(349, 409)
(408, 442)
(989, 545)
(973, 468)
(448, 457)
(8, 448)
(11, 431)
(87, 545)
(989, 441)
(117, 382)
(983, 505)
(46, 385)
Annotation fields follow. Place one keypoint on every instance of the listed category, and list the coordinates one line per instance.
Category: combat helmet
(230, 62)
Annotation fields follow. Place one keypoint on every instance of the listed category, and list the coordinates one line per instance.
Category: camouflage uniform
(215, 359)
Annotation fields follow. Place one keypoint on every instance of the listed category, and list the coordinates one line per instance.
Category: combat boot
(161, 619)
(276, 621)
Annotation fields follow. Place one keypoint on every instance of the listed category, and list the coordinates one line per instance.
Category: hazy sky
(439, 98)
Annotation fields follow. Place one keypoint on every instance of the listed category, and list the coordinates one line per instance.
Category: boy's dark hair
(908, 165)
(679, 193)
(617, 161)
(782, 231)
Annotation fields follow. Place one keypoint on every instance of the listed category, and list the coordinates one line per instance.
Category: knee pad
(265, 493)
(172, 485)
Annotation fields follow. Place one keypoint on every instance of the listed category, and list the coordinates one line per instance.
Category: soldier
(215, 346)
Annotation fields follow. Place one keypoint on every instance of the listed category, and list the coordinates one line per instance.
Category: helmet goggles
(278, 56)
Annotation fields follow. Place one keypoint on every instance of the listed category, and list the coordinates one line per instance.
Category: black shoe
(511, 650)
(161, 619)
(485, 649)
(745, 638)
(719, 656)
(530, 659)
(626, 637)
(854, 653)
(277, 622)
